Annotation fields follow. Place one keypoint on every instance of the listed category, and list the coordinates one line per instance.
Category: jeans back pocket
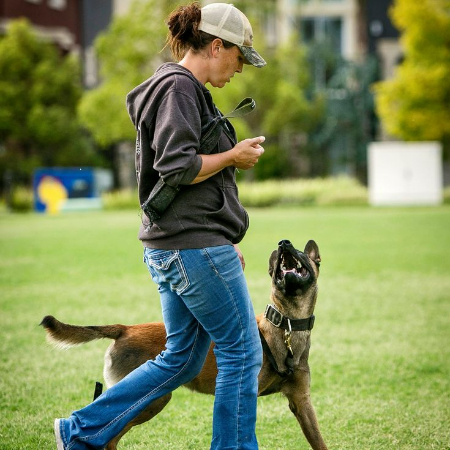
(166, 266)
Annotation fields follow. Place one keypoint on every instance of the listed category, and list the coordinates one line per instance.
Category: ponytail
(184, 34)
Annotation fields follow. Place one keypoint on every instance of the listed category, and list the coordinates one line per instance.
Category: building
(354, 28)
(57, 20)
(351, 29)
(383, 37)
(352, 44)
(72, 25)
(319, 20)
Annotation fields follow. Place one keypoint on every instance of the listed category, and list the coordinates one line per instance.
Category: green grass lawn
(380, 354)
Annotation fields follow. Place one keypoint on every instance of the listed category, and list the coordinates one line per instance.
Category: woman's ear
(216, 45)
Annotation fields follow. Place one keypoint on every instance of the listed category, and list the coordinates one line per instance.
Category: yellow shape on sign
(52, 193)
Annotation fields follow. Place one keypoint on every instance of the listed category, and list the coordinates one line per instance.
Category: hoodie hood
(143, 100)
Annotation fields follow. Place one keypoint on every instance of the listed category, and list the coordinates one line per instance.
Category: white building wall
(346, 10)
(120, 7)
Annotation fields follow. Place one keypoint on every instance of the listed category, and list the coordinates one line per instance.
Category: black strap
(272, 361)
(98, 389)
(278, 320)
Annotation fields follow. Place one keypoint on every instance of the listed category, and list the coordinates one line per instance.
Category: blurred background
(341, 74)
(355, 107)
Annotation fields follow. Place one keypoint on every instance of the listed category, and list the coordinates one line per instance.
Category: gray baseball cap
(226, 22)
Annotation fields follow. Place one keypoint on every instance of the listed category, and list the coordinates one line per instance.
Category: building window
(322, 30)
(57, 4)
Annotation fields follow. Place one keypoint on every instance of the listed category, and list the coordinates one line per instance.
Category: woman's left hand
(241, 256)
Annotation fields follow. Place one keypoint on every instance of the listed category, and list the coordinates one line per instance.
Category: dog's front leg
(297, 392)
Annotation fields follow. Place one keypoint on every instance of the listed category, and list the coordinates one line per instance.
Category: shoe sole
(57, 429)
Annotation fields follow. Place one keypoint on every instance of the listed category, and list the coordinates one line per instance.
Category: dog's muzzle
(293, 269)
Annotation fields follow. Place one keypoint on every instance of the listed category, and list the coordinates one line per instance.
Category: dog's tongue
(289, 271)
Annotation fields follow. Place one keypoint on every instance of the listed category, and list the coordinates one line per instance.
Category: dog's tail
(63, 335)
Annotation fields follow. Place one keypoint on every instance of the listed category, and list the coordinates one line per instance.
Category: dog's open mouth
(289, 264)
(292, 270)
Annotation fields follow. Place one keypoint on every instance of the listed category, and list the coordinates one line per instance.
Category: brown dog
(285, 330)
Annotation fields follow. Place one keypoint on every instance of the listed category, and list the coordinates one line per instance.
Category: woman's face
(227, 63)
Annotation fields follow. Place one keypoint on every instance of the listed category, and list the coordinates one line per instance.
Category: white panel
(405, 173)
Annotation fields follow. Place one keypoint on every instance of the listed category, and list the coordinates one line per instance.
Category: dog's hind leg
(297, 392)
(151, 411)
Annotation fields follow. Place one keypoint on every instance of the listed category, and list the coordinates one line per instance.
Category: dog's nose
(284, 243)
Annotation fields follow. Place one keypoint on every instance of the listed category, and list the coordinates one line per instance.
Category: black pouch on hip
(162, 194)
(159, 200)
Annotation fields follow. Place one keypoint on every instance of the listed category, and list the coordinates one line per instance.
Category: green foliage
(131, 49)
(128, 52)
(415, 104)
(21, 199)
(272, 164)
(341, 191)
(256, 6)
(103, 112)
(284, 111)
(121, 200)
(446, 195)
(347, 127)
(39, 92)
(379, 358)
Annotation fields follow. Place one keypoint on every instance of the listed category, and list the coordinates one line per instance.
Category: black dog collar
(278, 320)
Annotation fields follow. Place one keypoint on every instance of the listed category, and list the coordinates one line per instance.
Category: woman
(191, 248)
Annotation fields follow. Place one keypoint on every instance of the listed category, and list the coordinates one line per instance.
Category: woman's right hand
(247, 152)
(243, 155)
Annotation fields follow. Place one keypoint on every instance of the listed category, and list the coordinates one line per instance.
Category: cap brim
(252, 56)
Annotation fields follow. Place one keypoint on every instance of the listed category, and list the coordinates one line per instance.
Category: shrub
(447, 195)
(274, 164)
(21, 199)
(120, 199)
(318, 191)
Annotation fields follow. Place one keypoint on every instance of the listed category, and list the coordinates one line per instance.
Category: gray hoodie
(168, 111)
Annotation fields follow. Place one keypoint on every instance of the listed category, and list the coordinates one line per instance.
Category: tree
(128, 52)
(414, 105)
(341, 141)
(285, 112)
(39, 92)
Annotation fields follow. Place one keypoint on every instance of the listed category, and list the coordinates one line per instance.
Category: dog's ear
(312, 250)
(272, 260)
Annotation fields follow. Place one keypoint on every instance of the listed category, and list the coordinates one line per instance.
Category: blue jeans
(204, 297)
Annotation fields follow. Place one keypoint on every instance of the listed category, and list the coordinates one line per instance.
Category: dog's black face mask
(291, 270)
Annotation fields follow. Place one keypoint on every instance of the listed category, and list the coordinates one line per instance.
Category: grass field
(380, 354)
